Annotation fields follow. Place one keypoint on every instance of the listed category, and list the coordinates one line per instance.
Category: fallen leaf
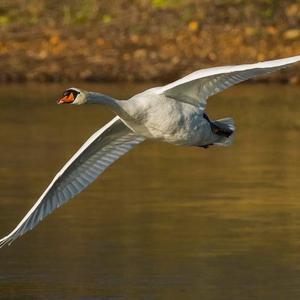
(193, 26)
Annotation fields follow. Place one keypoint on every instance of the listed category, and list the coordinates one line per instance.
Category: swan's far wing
(198, 86)
(102, 149)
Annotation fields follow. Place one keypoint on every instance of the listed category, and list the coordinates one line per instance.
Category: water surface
(164, 222)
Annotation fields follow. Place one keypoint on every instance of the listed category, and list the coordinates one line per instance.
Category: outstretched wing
(102, 149)
(198, 86)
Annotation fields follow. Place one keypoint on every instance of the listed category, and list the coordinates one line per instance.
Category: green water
(164, 222)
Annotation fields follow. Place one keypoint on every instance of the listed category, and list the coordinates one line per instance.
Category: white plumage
(103, 148)
(173, 113)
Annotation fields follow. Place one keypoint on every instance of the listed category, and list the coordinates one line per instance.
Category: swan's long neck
(119, 107)
(97, 98)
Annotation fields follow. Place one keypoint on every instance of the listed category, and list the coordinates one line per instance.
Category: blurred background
(163, 222)
(141, 40)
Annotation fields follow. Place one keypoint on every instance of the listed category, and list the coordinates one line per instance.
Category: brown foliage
(142, 39)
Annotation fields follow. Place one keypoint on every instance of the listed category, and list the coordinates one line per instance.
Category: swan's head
(73, 96)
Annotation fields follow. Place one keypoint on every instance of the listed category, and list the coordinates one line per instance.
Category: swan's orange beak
(66, 99)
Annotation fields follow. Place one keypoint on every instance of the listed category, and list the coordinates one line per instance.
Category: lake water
(164, 222)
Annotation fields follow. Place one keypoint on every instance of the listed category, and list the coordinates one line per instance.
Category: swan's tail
(224, 130)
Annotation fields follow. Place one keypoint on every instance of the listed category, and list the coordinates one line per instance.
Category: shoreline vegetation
(142, 40)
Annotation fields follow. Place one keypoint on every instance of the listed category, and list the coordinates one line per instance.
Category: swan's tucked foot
(221, 129)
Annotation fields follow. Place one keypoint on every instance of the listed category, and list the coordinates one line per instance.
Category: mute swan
(173, 113)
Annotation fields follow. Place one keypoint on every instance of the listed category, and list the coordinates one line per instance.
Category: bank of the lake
(142, 40)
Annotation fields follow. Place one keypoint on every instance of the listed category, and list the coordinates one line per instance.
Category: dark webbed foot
(218, 127)
(221, 129)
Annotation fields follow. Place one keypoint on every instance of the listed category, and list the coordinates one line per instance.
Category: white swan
(173, 113)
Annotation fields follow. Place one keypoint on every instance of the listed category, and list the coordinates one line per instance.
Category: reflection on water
(164, 222)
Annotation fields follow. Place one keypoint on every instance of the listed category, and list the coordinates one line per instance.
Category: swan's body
(148, 114)
(173, 113)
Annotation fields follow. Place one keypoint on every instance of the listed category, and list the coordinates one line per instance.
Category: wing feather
(197, 87)
(102, 149)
